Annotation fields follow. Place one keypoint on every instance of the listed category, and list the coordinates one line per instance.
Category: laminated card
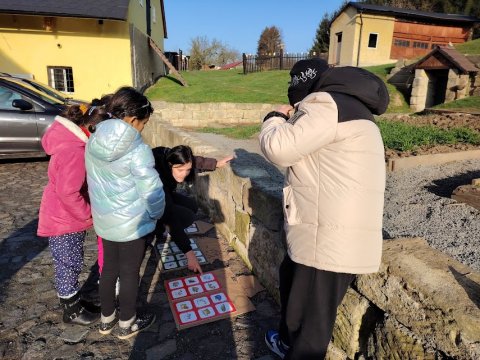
(211, 296)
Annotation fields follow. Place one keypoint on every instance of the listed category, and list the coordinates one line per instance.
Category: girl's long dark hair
(181, 155)
(129, 102)
(89, 115)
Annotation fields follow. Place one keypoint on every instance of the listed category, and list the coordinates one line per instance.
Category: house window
(154, 15)
(61, 78)
(372, 40)
(420, 45)
(402, 43)
(436, 45)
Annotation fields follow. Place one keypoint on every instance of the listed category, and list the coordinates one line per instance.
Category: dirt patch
(442, 121)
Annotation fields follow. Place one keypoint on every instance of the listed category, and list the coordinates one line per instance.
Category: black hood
(358, 83)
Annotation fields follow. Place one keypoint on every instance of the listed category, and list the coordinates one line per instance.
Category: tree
(322, 36)
(270, 41)
(205, 52)
(227, 55)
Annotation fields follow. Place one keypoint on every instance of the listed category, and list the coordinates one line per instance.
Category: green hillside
(469, 48)
(269, 87)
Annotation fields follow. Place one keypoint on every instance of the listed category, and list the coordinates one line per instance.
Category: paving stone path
(30, 317)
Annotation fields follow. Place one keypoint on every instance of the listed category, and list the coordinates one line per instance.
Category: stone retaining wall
(421, 305)
(210, 114)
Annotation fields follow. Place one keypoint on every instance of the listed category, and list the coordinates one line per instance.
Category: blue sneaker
(272, 339)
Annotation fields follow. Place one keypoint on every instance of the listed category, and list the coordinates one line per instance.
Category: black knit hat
(304, 74)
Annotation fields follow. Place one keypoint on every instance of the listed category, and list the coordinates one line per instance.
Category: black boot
(75, 313)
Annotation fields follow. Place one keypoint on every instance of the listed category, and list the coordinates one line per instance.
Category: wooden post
(168, 63)
(244, 57)
(180, 60)
(281, 58)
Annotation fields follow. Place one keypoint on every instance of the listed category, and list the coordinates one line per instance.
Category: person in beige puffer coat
(332, 199)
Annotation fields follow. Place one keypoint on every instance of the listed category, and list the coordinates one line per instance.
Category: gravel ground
(417, 203)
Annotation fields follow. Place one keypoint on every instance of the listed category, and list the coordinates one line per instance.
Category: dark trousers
(121, 260)
(179, 216)
(309, 300)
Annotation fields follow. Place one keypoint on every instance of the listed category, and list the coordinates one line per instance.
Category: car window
(36, 92)
(6, 98)
(47, 89)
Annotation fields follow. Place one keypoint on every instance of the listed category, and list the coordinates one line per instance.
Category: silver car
(25, 115)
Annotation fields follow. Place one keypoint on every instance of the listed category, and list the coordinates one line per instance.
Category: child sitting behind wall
(175, 166)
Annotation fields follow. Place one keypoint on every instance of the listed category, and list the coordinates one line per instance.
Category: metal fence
(281, 61)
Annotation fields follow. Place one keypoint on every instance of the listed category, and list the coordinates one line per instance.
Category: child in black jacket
(177, 165)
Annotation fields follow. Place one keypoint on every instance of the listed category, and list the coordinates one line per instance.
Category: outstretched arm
(224, 161)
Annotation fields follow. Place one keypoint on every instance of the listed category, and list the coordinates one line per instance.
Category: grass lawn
(396, 135)
(471, 103)
(268, 87)
(469, 47)
(405, 137)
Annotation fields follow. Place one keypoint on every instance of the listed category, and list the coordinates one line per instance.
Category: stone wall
(418, 97)
(420, 305)
(210, 114)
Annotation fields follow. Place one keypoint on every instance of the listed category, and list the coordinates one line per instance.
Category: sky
(239, 24)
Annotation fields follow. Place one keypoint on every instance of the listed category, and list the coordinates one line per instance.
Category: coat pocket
(290, 209)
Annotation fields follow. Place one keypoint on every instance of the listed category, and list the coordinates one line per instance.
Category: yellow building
(365, 35)
(83, 48)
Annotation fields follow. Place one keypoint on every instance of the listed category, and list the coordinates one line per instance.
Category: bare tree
(227, 55)
(205, 52)
(270, 41)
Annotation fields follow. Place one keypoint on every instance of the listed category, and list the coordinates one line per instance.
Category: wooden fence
(281, 61)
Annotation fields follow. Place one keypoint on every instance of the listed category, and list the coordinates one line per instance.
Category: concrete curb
(433, 159)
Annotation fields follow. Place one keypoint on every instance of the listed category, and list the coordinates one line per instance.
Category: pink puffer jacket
(65, 207)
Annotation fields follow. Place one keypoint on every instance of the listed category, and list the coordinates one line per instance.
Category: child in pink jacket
(65, 213)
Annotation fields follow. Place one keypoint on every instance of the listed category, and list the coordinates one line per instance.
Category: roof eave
(360, 8)
(39, 13)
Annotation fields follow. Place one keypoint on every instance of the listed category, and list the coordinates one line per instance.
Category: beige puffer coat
(334, 186)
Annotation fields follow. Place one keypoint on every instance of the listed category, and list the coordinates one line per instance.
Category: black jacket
(164, 169)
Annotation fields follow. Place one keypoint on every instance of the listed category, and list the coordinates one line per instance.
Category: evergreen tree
(322, 37)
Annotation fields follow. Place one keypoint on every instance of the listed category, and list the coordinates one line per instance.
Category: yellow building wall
(137, 15)
(345, 24)
(383, 26)
(99, 54)
(349, 23)
(158, 32)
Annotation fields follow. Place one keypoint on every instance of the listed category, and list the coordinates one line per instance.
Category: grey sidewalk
(30, 316)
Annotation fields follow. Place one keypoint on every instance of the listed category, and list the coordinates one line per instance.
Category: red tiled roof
(231, 65)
